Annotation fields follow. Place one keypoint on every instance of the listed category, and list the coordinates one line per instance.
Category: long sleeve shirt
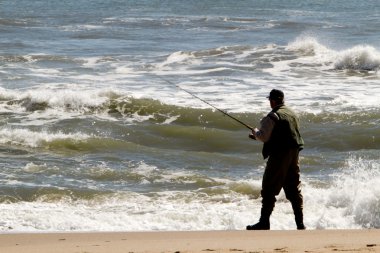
(266, 127)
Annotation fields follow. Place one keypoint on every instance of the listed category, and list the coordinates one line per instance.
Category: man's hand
(252, 136)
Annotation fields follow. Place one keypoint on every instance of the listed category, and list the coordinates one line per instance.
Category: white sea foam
(351, 200)
(179, 58)
(332, 80)
(308, 45)
(361, 57)
(32, 139)
(52, 103)
(304, 68)
(80, 28)
(73, 96)
(128, 212)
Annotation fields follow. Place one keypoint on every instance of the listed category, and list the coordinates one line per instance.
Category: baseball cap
(276, 94)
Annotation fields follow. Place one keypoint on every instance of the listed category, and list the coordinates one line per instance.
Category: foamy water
(351, 201)
(304, 65)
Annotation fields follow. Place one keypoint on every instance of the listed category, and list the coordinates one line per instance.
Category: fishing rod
(204, 101)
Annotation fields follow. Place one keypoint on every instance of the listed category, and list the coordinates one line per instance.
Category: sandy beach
(205, 241)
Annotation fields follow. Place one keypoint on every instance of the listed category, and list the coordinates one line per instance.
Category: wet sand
(203, 241)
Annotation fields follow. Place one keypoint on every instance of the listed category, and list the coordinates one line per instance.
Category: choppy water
(92, 137)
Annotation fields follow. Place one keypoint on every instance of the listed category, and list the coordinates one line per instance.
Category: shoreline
(361, 240)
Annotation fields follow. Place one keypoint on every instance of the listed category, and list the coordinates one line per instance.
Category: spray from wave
(357, 58)
(351, 200)
(361, 58)
(308, 46)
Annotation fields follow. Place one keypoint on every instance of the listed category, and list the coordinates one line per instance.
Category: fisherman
(279, 131)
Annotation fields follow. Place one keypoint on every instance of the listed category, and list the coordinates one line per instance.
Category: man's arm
(266, 127)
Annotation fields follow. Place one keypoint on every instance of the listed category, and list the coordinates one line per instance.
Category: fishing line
(204, 101)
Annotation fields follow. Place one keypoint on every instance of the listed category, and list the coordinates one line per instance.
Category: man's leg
(273, 180)
(292, 188)
(266, 210)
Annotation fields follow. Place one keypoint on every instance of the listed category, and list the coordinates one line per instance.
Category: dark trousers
(282, 171)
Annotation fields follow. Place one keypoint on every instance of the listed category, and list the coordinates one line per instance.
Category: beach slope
(204, 241)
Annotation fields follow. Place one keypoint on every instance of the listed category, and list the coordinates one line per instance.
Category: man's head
(276, 97)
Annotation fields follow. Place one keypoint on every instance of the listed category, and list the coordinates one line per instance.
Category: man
(279, 131)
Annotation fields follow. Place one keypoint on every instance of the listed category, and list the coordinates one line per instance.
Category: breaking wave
(361, 58)
(357, 58)
(125, 121)
(349, 199)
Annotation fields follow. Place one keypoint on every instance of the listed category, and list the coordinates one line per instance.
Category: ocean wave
(121, 104)
(61, 103)
(125, 212)
(47, 194)
(361, 58)
(349, 199)
(369, 117)
(34, 139)
(149, 122)
(16, 22)
(353, 198)
(16, 58)
(308, 46)
(36, 58)
(62, 99)
(92, 182)
(357, 58)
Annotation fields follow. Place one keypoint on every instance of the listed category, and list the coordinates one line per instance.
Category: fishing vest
(285, 134)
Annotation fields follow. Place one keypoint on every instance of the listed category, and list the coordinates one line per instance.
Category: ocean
(95, 135)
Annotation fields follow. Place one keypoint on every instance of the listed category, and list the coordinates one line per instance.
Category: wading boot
(299, 221)
(266, 211)
(298, 212)
(261, 225)
(301, 226)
